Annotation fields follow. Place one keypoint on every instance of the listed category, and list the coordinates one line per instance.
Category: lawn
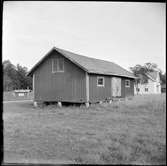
(125, 132)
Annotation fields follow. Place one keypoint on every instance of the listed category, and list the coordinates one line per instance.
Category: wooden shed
(63, 76)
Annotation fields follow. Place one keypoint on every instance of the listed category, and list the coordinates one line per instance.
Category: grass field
(126, 132)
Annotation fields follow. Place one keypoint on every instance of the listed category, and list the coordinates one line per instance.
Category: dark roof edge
(113, 74)
(39, 62)
(72, 60)
(150, 77)
(47, 54)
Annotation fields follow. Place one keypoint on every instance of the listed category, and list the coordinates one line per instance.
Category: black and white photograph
(84, 82)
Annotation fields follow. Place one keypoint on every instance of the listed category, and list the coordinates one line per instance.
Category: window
(146, 89)
(127, 83)
(57, 65)
(100, 81)
(60, 64)
(54, 65)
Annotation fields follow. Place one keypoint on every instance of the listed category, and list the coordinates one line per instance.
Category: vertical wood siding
(101, 93)
(97, 93)
(70, 85)
(122, 87)
(33, 85)
(67, 86)
(127, 91)
(87, 87)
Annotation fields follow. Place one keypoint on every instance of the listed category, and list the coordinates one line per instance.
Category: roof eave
(30, 73)
(151, 78)
(113, 74)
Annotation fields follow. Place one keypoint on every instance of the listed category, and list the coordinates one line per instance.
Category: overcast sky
(127, 33)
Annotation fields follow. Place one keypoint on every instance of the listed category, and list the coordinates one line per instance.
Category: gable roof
(152, 75)
(90, 65)
(149, 75)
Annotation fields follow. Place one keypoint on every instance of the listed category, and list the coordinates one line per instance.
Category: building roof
(90, 65)
(152, 75)
(149, 75)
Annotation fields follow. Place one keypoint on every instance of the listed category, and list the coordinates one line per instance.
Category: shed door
(116, 86)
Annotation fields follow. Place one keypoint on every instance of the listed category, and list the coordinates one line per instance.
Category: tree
(140, 72)
(25, 81)
(7, 83)
(150, 67)
(15, 77)
(147, 67)
(10, 75)
(138, 69)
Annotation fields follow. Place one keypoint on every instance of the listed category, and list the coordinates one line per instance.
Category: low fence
(12, 96)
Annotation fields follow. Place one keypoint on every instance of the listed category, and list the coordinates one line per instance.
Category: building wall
(152, 86)
(97, 93)
(127, 91)
(67, 86)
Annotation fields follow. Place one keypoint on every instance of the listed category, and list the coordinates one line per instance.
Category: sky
(127, 33)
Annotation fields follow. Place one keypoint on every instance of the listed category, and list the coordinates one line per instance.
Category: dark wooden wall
(67, 86)
(70, 85)
(97, 93)
(130, 91)
(102, 93)
(127, 91)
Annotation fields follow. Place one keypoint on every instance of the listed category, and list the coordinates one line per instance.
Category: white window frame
(57, 66)
(103, 81)
(127, 86)
(53, 71)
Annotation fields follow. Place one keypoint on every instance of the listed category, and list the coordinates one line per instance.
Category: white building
(153, 86)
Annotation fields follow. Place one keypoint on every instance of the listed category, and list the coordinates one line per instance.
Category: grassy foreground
(126, 132)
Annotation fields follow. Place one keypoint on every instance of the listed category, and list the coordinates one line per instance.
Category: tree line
(14, 77)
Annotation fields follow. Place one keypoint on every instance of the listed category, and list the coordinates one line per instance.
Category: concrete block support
(87, 104)
(35, 104)
(100, 102)
(110, 101)
(59, 104)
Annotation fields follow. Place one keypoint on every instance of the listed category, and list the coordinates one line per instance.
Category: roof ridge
(82, 55)
(91, 58)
